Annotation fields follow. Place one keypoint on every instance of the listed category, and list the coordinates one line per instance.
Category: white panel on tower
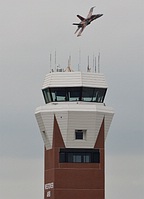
(62, 119)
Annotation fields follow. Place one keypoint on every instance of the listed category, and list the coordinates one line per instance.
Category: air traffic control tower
(74, 124)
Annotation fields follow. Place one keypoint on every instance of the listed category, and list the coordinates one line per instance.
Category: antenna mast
(55, 61)
(95, 64)
(50, 61)
(79, 60)
(69, 61)
(88, 67)
(99, 62)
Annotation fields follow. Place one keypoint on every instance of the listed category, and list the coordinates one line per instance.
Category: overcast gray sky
(32, 29)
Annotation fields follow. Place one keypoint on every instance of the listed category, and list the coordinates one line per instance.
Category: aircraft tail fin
(90, 12)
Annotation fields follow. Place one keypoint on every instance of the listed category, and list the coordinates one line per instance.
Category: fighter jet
(86, 21)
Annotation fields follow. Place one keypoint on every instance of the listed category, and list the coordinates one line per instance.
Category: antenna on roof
(88, 67)
(95, 64)
(69, 61)
(55, 61)
(68, 68)
(50, 61)
(99, 62)
(79, 60)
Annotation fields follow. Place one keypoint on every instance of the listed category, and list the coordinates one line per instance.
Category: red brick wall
(73, 180)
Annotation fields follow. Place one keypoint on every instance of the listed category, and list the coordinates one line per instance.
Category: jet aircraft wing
(80, 17)
(90, 12)
(82, 28)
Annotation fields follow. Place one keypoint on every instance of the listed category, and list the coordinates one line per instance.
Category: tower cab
(74, 86)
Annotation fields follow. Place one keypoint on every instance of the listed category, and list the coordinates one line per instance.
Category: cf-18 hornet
(86, 21)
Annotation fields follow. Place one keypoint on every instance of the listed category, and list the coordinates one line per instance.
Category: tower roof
(74, 79)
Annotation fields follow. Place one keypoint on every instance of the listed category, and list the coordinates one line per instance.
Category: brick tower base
(65, 180)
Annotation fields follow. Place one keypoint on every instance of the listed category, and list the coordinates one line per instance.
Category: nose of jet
(99, 15)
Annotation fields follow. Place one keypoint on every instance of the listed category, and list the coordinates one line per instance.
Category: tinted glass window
(86, 94)
(77, 158)
(47, 96)
(74, 93)
(79, 135)
(58, 94)
(79, 155)
(87, 157)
